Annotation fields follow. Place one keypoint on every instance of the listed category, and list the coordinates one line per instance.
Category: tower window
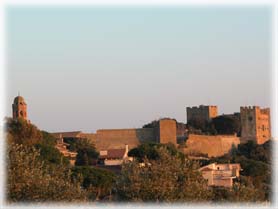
(250, 118)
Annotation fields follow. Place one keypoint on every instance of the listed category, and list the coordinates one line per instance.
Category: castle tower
(204, 113)
(19, 108)
(255, 124)
(166, 131)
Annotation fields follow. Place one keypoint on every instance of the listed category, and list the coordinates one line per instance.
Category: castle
(255, 122)
(164, 132)
(202, 112)
(255, 126)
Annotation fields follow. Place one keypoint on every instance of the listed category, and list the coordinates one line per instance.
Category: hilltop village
(114, 145)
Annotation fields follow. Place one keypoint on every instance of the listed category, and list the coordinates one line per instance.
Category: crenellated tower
(255, 124)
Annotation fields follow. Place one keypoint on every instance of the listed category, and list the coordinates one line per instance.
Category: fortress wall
(263, 126)
(167, 131)
(90, 136)
(118, 138)
(255, 124)
(202, 112)
(213, 146)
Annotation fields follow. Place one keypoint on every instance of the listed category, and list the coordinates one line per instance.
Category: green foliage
(255, 161)
(199, 126)
(226, 124)
(238, 193)
(86, 153)
(152, 124)
(51, 155)
(23, 132)
(98, 181)
(252, 167)
(150, 151)
(257, 152)
(29, 179)
(48, 139)
(166, 179)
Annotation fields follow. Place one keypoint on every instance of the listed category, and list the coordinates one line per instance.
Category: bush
(23, 132)
(167, 179)
(98, 181)
(29, 179)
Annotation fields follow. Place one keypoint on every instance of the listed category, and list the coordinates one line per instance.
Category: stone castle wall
(104, 139)
(213, 146)
(255, 124)
(118, 138)
(263, 126)
(167, 131)
(202, 112)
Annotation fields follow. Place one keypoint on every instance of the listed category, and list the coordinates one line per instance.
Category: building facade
(112, 157)
(255, 124)
(220, 175)
(167, 131)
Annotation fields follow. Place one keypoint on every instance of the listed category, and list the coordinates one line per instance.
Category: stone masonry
(202, 112)
(255, 124)
(213, 146)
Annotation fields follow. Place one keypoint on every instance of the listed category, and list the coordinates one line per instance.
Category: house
(112, 157)
(220, 174)
(62, 147)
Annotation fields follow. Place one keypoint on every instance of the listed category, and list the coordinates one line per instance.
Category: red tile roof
(114, 153)
(206, 169)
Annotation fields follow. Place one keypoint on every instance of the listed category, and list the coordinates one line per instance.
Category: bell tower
(19, 108)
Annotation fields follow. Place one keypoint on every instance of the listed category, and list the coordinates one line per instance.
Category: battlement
(265, 111)
(255, 124)
(203, 112)
(201, 107)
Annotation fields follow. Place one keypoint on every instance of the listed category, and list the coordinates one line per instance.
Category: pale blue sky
(87, 68)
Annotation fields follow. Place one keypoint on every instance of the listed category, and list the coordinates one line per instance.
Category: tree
(150, 151)
(98, 181)
(152, 124)
(23, 132)
(227, 124)
(51, 155)
(48, 139)
(238, 193)
(201, 126)
(86, 153)
(166, 179)
(29, 179)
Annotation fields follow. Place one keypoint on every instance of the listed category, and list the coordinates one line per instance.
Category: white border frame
(274, 83)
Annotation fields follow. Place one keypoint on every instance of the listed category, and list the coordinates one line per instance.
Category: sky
(89, 68)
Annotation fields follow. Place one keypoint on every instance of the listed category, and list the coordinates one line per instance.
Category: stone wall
(202, 112)
(167, 131)
(118, 138)
(213, 146)
(263, 125)
(255, 124)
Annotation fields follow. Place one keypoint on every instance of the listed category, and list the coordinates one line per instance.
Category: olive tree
(169, 178)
